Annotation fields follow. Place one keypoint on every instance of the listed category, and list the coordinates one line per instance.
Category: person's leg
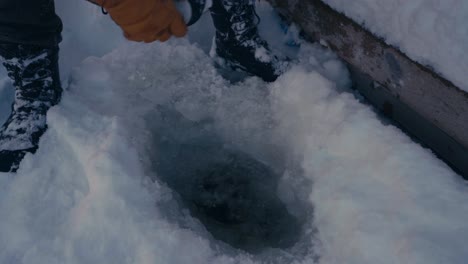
(29, 37)
(29, 22)
(238, 42)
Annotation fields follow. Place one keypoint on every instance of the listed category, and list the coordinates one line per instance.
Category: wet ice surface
(339, 186)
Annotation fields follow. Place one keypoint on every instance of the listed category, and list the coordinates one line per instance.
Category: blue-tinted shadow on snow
(232, 194)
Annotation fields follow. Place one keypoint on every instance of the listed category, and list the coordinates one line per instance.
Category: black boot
(35, 75)
(237, 40)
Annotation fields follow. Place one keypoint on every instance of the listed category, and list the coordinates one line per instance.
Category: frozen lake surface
(133, 166)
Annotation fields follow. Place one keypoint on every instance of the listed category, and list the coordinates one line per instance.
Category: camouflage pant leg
(29, 22)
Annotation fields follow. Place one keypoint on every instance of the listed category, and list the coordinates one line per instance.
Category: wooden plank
(426, 105)
(446, 148)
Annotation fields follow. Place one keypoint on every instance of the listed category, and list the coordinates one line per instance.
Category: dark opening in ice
(233, 194)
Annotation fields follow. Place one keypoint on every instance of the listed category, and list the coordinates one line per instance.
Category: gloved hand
(146, 20)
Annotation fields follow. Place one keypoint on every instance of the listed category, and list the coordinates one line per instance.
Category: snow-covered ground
(432, 32)
(361, 190)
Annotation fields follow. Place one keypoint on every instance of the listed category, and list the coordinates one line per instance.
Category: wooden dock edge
(425, 105)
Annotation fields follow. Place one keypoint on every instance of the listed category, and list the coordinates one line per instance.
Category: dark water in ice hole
(232, 194)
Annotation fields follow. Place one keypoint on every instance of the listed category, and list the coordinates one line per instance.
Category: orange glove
(146, 20)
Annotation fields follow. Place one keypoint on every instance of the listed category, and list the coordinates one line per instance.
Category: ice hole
(230, 192)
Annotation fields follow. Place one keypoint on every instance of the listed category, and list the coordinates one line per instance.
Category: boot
(35, 75)
(237, 40)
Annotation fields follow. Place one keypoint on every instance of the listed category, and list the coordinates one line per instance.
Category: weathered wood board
(424, 104)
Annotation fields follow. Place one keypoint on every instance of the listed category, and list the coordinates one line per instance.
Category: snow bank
(87, 197)
(378, 196)
(431, 32)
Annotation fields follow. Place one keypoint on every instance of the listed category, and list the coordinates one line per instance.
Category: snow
(431, 32)
(261, 54)
(362, 190)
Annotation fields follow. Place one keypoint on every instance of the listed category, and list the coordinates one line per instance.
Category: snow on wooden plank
(401, 82)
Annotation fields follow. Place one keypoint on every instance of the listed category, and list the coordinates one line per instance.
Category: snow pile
(362, 191)
(432, 32)
(86, 197)
(378, 196)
